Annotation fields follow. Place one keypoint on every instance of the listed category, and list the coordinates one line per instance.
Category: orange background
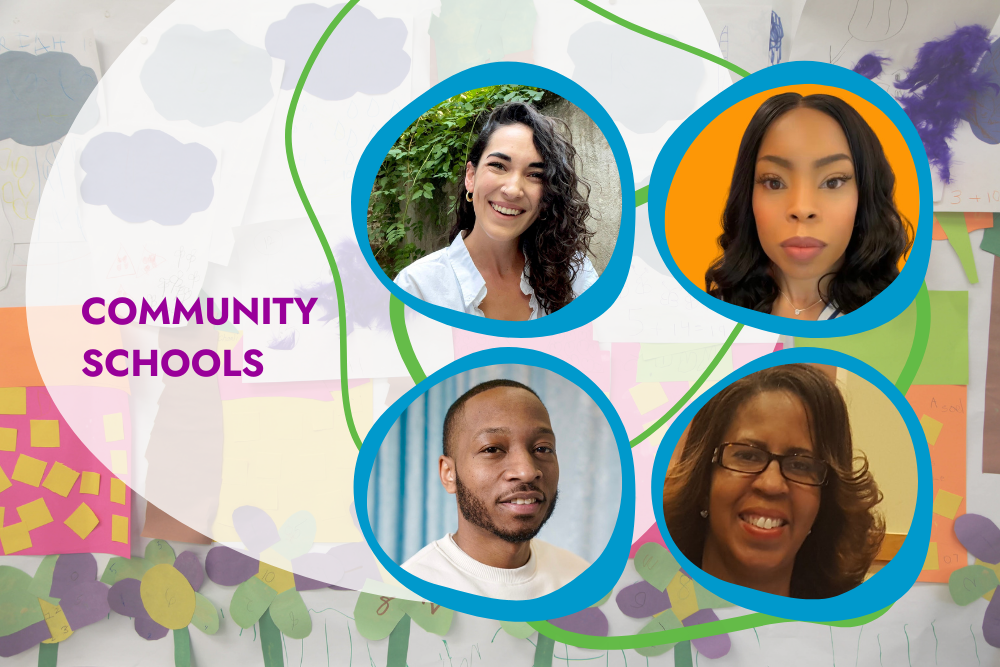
(700, 186)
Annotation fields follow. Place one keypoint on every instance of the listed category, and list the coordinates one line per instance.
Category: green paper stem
(543, 651)
(954, 228)
(399, 643)
(182, 648)
(270, 641)
(48, 654)
(682, 655)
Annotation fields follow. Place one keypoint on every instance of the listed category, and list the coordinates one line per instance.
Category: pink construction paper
(652, 534)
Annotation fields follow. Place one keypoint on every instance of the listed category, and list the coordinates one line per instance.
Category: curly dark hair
(847, 533)
(557, 242)
(742, 275)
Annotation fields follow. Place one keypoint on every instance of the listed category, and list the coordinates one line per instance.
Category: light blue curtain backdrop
(410, 509)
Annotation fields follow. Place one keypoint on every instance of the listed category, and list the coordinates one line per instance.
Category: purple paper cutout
(72, 570)
(317, 571)
(228, 567)
(642, 600)
(712, 647)
(124, 598)
(870, 65)
(980, 536)
(85, 603)
(24, 639)
(359, 565)
(189, 565)
(255, 528)
(149, 629)
(991, 621)
(590, 621)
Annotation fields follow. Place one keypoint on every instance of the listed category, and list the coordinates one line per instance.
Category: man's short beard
(475, 512)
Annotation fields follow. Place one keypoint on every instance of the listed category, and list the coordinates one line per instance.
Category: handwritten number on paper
(384, 607)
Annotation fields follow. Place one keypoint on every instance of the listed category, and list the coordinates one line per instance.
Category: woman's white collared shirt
(449, 278)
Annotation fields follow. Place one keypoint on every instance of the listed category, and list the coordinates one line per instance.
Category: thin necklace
(798, 310)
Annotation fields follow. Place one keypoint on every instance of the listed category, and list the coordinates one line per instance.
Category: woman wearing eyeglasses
(767, 492)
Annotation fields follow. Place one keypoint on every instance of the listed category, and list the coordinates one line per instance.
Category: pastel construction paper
(5, 482)
(119, 529)
(931, 562)
(35, 514)
(13, 400)
(683, 596)
(15, 538)
(56, 621)
(8, 439)
(82, 521)
(970, 583)
(589, 621)
(954, 227)
(932, 428)
(114, 427)
(648, 396)
(642, 600)
(44, 432)
(980, 536)
(946, 504)
(656, 565)
(119, 462)
(713, 646)
(119, 492)
(60, 479)
(290, 614)
(29, 470)
(86, 603)
(90, 483)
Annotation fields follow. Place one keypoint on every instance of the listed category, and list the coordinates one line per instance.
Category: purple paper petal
(315, 570)
(149, 629)
(589, 621)
(991, 621)
(189, 565)
(71, 570)
(24, 639)
(980, 536)
(712, 647)
(228, 567)
(642, 600)
(255, 528)
(85, 603)
(124, 598)
(359, 565)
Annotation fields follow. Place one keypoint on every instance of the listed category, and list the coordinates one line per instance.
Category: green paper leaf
(159, 552)
(289, 613)
(270, 642)
(206, 616)
(41, 583)
(297, 535)
(433, 618)
(124, 568)
(970, 583)
(517, 629)
(991, 237)
(250, 600)
(18, 607)
(399, 644)
(602, 600)
(377, 615)
(954, 228)
(656, 565)
(707, 599)
(665, 621)
(182, 647)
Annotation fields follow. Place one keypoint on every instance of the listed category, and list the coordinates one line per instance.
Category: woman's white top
(831, 311)
(449, 278)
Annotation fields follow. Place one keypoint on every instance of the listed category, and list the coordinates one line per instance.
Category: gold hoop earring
(468, 196)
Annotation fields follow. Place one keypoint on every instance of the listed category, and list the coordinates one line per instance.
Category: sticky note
(648, 396)
(114, 428)
(117, 491)
(4, 482)
(15, 538)
(931, 562)
(60, 479)
(90, 483)
(119, 529)
(13, 401)
(683, 597)
(932, 428)
(29, 470)
(119, 462)
(82, 521)
(946, 503)
(56, 621)
(44, 432)
(8, 439)
(34, 514)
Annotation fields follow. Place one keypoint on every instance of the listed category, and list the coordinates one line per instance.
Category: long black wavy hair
(742, 275)
(557, 242)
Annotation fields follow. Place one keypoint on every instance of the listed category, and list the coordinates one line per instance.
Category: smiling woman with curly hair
(519, 244)
(768, 491)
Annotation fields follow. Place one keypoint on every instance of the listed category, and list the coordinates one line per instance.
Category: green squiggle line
(646, 32)
(341, 310)
(397, 320)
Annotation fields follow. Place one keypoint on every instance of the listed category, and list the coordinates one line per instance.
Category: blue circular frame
(580, 593)
(885, 586)
(585, 308)
(895, 298)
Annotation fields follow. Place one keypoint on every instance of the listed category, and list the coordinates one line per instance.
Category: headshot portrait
(510, 487)
(502, 202)
(798, 480)
(815, 214)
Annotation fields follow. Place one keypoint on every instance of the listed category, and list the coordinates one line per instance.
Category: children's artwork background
(223, 153)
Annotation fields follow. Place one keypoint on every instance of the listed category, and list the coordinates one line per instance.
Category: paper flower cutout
(160, 591)
(981, 537)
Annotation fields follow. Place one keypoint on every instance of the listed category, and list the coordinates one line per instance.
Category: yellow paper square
(932, 428)
(114, 428)
(56, 621)
(90, 483)
(931, 562)
(60, 479)
(4, 482)
(13, 401)
(648, 396)
(15, 538)
(119, 462)
(34, 514)
(119, 529)
(275, 577)
(8, 439)
(29, 470)
(946, 503)
(44, 432)
(683, 599)
(82, 521)
(117, 491)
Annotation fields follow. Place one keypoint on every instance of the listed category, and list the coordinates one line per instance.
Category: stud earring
(704, 514)
(468, 196)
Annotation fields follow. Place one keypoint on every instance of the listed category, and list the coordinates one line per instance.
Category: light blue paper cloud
(41, 95)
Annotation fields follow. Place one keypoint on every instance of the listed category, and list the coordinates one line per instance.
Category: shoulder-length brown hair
(847, 533)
